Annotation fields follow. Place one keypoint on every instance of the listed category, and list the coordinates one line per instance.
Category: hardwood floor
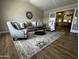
(63, 48)
(7, 48)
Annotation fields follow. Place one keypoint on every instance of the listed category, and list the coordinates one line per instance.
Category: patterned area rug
(35, 43)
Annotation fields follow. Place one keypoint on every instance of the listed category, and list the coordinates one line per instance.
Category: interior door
(74, 27)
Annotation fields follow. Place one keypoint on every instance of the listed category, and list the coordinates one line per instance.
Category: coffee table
(40, 31)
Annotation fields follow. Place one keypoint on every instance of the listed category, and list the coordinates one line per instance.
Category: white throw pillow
(34, 23)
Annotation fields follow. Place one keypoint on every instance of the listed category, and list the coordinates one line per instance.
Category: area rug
(35, 43)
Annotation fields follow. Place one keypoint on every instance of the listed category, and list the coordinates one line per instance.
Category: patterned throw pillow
(29, 24)
(25, 25)
(16, 25)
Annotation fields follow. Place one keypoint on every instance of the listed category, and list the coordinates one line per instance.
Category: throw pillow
(25, 25)
(16, 25)
(29, 24)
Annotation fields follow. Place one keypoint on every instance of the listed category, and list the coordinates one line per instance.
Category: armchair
(17, 33)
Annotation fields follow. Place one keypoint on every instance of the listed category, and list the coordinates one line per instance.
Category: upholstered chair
(16, 32)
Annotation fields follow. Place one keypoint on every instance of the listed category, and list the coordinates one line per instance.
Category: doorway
(64, 20)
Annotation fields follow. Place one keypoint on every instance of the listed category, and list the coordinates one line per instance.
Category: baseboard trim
(74, 31)
(4, 32)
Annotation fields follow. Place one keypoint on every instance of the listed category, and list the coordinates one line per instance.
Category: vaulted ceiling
(50, 4)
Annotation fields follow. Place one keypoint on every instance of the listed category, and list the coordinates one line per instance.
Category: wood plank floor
(63, 48)
(7, 48)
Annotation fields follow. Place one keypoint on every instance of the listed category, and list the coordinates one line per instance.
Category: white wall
(16, 11)
(67, 7)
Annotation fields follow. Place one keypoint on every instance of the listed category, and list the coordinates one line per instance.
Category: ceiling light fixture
(59, 13)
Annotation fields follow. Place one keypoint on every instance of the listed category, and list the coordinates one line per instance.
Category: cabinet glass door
(52, 21)
(74, 27)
